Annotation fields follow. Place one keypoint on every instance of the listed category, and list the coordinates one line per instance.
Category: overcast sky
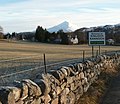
(26, 15)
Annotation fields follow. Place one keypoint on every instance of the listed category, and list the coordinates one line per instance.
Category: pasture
(12, 49)
(16, 56)
(23, 58)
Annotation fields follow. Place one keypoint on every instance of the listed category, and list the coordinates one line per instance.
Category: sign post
(99, 49)
(92, 51)
(96, 39)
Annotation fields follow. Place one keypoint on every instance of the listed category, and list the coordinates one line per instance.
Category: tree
(7, 36)
(1, 36)
(47, 35)
(82, 36)
(1, 33)
(13, 34)
(40, 34)
(63, 36)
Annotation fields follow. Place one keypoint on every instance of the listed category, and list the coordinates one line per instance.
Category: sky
(26, 15)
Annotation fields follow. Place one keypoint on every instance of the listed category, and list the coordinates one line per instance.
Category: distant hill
(1, 29)
(111, 31)
(70, 32)
(65, 26)
(101, 28)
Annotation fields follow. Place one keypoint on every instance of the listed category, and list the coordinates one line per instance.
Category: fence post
(92, 51)
(45, 64)
(96, 53)
(83, 55)
(99, 49)
(105, 52)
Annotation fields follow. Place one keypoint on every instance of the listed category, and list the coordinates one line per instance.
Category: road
(113, 94)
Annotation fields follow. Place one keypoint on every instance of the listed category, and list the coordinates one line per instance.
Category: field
(12, 49)
(17, 56)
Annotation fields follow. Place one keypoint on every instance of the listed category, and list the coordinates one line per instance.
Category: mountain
(65, 26)
(117, 25)
(1, 29)
(105, 28)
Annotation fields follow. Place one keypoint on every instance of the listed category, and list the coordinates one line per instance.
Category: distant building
(1, 33)
(74, 40)
(26, 36)
(110, 42)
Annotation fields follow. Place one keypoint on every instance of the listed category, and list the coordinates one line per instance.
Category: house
(110, 42)
(74, 40)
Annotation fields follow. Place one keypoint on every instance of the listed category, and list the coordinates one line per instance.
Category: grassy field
(12, 49)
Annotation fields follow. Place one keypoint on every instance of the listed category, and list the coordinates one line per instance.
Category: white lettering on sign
(96, 38)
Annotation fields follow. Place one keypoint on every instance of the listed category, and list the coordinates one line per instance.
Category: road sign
(97, 38)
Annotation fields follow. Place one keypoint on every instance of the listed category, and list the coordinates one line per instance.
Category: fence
(31, 67)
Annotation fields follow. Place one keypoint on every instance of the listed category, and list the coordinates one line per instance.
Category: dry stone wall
(63, 86)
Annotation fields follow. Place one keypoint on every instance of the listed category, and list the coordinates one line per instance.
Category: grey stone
(61, 74)
(6, 96)
(24, 89)
(69, 80)
(58, 90)
(71, 98)
(80, 66)
(43, 86)
(64, 71)
(51, 79)
(82, 75)
(78, 92)
(63, 85)
(72, 86)
(68, 70)
(72, 70)
(36, 101)
(85, 87)
(88, 70)
(47, 99)
(55, 101)
(55, 74)
(67, 90)
(33, 88)
(63, 98)
(19, 102)
(16, 91)
(53, 94)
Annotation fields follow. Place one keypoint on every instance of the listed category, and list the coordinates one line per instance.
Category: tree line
(42, 35)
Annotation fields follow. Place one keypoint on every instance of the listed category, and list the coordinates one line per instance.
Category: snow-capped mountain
(117, 25)
(65, 26)
(1, 29)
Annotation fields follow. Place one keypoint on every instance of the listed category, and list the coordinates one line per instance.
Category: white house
(110, 41)
(74, 40)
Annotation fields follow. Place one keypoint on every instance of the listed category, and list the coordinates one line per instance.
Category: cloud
(26, 15)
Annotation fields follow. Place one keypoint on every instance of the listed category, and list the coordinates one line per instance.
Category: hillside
(68, 33)
(111, 31)
(65, 26)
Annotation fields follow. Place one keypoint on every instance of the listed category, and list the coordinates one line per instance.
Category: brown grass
(99, 88)
(12, 49)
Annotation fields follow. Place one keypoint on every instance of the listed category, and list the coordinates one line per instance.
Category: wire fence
(21, 64)
(30, 67)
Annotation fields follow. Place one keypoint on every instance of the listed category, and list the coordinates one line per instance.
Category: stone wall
(63, 86)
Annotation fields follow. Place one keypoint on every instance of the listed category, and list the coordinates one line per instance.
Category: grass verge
(99, 88)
